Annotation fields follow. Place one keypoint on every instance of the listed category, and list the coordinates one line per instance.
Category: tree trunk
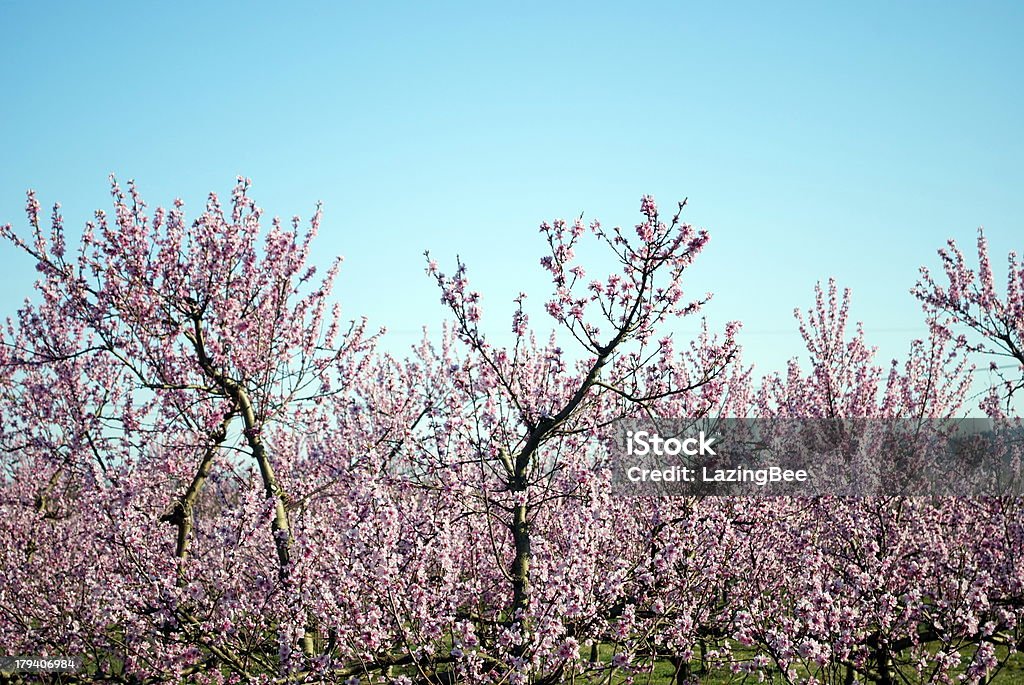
(183, 513)
(521, 564)
(682, 670)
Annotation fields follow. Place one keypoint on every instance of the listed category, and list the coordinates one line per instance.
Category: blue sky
(813, 139)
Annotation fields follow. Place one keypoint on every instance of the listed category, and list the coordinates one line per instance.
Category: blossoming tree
(206, 476)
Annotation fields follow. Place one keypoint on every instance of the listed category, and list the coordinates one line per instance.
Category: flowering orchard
(208, 476)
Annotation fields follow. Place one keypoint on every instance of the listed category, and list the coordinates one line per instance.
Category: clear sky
(813, 139)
